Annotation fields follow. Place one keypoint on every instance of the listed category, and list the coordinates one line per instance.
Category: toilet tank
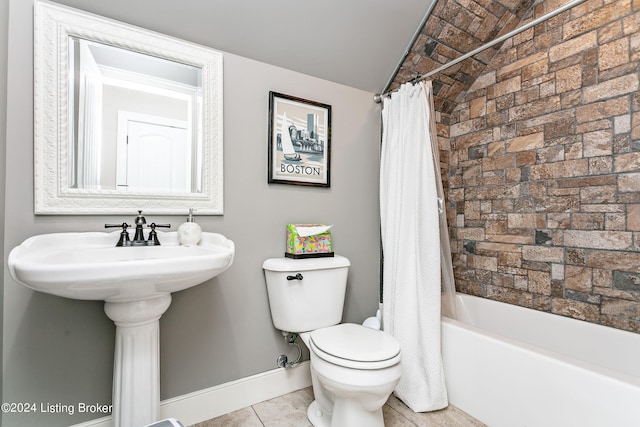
(306, 294)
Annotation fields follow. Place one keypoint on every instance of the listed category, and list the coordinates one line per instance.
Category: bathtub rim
(591, 367)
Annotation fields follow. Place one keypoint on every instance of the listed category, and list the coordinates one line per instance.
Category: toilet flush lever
(296, 277)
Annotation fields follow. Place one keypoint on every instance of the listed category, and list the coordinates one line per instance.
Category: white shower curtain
(411, 246)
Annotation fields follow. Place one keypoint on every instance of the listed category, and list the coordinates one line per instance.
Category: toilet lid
(356, 343)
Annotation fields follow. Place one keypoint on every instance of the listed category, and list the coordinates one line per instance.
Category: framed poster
(299, 141)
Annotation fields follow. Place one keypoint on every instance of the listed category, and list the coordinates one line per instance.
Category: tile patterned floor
(290, 410)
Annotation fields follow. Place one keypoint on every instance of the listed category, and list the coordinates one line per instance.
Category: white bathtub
(510, 366)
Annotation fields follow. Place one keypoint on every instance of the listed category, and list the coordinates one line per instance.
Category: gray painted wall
(4, 23)
(58, 350)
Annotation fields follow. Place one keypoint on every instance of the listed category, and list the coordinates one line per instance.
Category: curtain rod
(410, 45)
(378, 97)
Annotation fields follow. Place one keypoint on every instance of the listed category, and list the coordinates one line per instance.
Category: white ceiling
(358, 43)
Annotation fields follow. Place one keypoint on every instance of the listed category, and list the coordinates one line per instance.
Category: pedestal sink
(136, 284)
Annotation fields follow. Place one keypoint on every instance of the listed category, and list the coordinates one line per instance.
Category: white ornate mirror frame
(53, 25)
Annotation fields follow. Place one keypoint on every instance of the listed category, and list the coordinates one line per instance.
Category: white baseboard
(212, 402)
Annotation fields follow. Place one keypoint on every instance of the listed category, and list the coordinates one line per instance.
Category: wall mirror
(125, 118)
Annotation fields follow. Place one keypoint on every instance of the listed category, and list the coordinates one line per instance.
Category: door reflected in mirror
(136, 121)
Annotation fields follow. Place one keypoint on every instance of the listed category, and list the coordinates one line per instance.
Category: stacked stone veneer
(543, 159)
(453, 29)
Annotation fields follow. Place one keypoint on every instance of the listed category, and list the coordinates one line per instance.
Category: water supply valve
(283, 361)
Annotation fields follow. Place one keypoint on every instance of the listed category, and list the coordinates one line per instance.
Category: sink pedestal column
(136, 370)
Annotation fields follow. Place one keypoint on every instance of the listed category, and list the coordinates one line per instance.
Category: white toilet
(354, 368)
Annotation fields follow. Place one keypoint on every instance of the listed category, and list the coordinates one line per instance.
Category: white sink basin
(136, 284)
(88, 266)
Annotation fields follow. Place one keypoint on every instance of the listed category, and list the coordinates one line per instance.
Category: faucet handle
(124, 225)
(154, 225)
(153, 235)
(124, 235)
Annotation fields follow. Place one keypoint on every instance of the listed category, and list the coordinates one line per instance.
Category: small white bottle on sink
(190, 232)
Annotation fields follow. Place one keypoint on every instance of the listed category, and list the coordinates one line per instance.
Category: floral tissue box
(309, 241)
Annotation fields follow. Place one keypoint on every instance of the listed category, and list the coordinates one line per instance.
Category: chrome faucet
(138, 238)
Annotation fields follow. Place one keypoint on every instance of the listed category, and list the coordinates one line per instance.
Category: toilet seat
(355, 346)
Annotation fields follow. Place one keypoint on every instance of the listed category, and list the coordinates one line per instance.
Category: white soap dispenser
(189, 233)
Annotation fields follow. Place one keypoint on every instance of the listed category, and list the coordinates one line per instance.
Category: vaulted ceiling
(359, 43)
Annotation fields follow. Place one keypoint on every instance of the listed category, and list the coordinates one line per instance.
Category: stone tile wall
(454, 28)
(542, 162)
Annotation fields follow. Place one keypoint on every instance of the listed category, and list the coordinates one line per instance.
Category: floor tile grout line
(257, 416)
(400, 414)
